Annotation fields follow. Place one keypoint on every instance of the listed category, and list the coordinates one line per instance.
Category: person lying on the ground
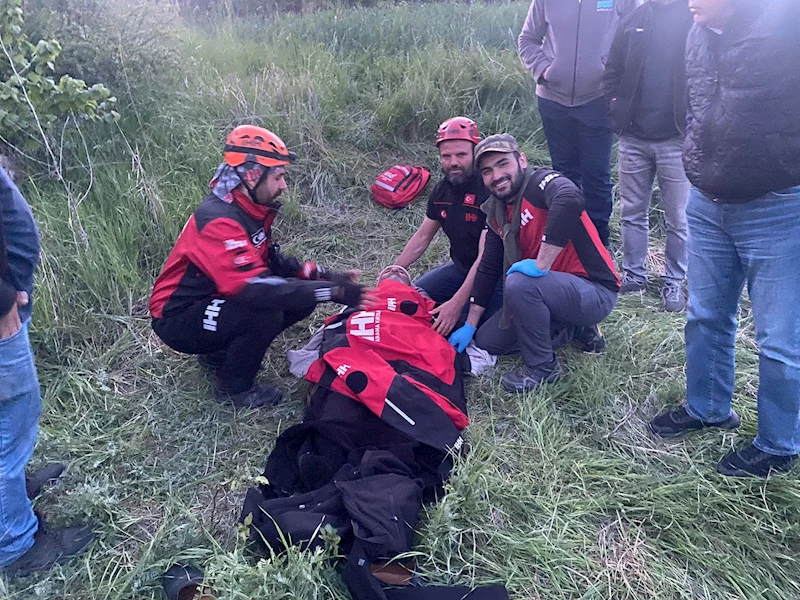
(393, 289)
(453, 206)
(555, 267)
(226, 291)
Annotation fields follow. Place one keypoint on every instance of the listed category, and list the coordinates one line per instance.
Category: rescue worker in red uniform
(226, 290)
(558, 274)
(455, 207)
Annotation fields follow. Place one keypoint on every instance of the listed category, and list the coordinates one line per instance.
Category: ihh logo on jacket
(605, 5)
(366, 325)
(526, 217)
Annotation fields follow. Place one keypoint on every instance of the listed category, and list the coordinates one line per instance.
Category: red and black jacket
(552, 211)
(223, 252)
(392, 361)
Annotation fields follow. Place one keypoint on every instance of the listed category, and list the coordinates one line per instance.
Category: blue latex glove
(461, 337)
(527, 267)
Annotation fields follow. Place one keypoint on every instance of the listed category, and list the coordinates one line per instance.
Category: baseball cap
(499, 142)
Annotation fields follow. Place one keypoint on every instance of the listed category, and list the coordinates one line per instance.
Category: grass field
(564, 493)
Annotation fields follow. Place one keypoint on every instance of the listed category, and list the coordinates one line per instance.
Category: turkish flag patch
(469, 199)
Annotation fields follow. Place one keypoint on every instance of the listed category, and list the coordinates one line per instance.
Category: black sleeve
(8, 298)
(8, 294)
(615, 66)
(489, 269)
(267, 292)
(564, 203)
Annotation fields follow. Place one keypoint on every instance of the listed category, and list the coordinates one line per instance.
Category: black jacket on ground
(743, 134)
(625, 66)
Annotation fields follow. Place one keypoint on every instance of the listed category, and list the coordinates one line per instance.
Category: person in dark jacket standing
(564, 44)
(556, 272)
(742, 155)
(645, 87)
(226, 291)
(27, 544)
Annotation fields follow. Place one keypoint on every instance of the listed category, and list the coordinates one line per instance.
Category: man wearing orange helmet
(226, 291)
(453, 206)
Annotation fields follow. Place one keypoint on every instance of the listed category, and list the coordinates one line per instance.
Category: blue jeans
(20, 406)
(757, 243)
(579, 139)
(443, 282)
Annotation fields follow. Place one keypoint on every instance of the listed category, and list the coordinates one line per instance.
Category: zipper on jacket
(577, 44)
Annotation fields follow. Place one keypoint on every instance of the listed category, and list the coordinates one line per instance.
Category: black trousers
(235, 335)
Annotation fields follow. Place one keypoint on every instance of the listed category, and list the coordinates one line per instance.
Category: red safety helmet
(248, 143)
(458, 128)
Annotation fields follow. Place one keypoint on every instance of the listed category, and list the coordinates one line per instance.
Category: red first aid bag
(399, 186)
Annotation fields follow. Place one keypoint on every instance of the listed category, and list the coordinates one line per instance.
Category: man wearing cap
(453, 206)
(558, 274)
(226, 291)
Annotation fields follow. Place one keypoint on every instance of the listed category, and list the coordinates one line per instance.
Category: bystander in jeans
(645, 88)
(742, 156)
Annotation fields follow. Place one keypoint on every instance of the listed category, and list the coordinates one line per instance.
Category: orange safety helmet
(248, 143)
(458, 128)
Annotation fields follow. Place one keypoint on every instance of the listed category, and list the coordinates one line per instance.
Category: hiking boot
(589, 339)
(261, 394)
(631, 283)
(672, 297)
(51, 547)
(676, 422)
(752, 462)
(525, 378)
(35, 482)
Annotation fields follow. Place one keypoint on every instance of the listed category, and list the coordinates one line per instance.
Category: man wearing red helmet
(453, 206)
(226, 291)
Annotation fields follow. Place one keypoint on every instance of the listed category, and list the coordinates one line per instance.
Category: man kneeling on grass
(226, 291)
(557, 271)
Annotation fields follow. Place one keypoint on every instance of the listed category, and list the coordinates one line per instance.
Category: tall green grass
(563, 493)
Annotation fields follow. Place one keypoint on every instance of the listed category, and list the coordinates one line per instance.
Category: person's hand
(546, 74)
(447, 315)
(368, 298)
(355, 295)
(527, 267)
(10, 324)
(353, 275)
(461, 337)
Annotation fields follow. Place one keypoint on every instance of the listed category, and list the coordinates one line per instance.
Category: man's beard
(516, 182)
(457, 178)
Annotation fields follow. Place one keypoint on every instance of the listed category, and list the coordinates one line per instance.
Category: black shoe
(589, 339)
(35, 482)
(750, 461)
(676, 422)
(51, 547)
(261, 394)
(525, 378)
(181, 582)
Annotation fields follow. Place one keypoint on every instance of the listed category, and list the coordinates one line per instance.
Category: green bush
(125, 43)
(33, 98)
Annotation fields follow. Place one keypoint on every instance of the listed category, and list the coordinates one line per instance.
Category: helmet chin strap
(273, 204)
